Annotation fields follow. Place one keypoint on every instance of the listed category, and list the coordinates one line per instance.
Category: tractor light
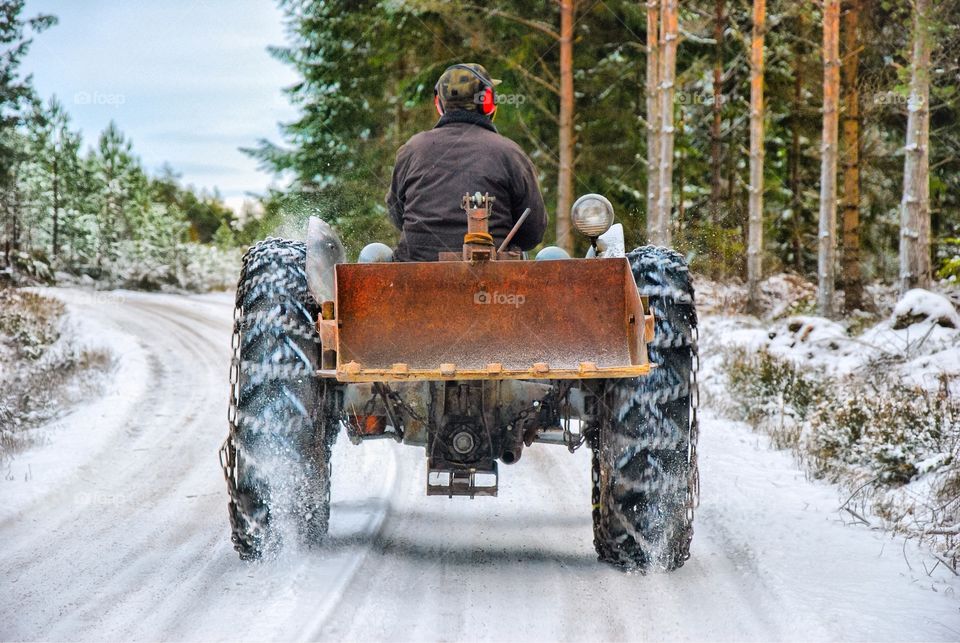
(592, 215)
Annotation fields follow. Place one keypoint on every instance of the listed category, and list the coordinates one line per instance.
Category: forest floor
(116, 528)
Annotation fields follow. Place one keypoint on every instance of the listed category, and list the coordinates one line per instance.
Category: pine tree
(341, 147)
(16, 93)
(55, 163)
(850, 273)
(755, 208)
(121, 191)
(826, 268)
(669, 35)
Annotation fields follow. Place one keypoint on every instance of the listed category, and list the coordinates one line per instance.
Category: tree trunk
(755, 202)
(401, 74)
(7, 225)
(796, 201)
(56, 205)
(565, 174)
(668, 63)
(733, 212)
(17, 213)
(850, 274)
(653, 119)
(681, 210)
(716, 128)
(827, 246)
(915, 206)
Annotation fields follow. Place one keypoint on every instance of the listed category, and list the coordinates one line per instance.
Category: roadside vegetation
(872, 404)
(44, 366)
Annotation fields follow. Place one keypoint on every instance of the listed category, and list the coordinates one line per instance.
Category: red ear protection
(489, 104)
(438, 104)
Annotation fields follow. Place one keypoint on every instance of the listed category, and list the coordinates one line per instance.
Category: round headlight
(592, 215)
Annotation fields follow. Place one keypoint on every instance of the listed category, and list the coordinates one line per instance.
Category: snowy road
(117, 529)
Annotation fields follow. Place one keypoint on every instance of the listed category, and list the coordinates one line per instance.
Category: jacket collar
(464, 116)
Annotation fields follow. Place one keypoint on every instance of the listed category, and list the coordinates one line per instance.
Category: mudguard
(324, 252)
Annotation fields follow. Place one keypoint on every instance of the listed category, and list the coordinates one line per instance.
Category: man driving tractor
(415, 350)
(463, 153)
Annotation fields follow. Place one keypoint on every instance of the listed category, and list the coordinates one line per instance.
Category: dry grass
(42, 367)
(894, 447)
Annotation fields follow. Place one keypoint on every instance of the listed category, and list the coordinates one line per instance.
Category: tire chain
(228, 451)
(693, 483)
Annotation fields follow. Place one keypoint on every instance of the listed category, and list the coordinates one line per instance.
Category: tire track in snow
(158, 561)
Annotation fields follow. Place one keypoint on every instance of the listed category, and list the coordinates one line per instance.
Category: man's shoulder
(417, 140)
(509, 144)
(492, 140)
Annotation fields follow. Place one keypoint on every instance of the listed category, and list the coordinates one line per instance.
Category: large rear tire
(282, 448)
(644, 449)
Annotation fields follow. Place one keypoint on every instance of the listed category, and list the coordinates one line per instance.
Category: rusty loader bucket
(580, 318)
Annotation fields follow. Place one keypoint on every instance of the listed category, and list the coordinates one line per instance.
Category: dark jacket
(462, 154)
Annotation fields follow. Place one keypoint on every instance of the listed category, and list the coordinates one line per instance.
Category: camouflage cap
(460, 85)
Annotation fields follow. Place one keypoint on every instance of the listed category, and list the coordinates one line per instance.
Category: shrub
(43, 366)
(772, 393)
(866, 431)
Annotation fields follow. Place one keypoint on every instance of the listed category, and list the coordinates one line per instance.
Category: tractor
(475, 358)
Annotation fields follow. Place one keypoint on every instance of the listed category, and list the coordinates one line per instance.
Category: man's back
(462, 154)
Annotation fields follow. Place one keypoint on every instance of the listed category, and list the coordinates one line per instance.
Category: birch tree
(755, 203)
(915, 206)
(827, 236)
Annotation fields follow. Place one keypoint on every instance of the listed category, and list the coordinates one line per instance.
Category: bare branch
(536, 25)
(533, 77)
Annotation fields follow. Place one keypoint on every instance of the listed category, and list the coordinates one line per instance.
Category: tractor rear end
(475, 357)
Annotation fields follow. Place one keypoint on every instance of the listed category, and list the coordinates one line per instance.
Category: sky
(189, 81)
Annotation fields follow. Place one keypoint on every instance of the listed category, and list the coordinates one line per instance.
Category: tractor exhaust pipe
(512, 447)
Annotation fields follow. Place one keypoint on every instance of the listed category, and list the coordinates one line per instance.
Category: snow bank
(45, 364)
(923, 352)
(72, 439)
(920, 305)
(876, 410)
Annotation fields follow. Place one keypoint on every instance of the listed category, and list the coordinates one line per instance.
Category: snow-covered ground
(117, 530)
(920, 339)
(870, 402)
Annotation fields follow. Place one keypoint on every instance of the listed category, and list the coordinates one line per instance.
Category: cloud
(189, 82)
